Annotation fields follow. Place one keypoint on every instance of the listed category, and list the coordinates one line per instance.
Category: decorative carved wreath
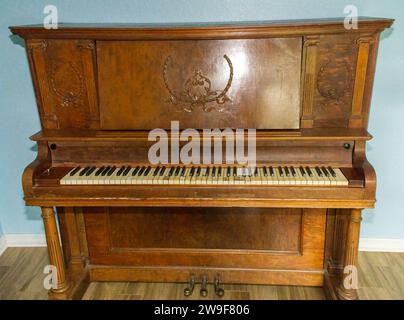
(197, 91)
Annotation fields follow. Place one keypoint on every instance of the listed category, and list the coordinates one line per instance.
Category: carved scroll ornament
(197, 90)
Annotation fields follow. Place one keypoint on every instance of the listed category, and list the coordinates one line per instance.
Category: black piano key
(146, 172)
(89, 172)
(135, 171)
(244, 172)
(171, 172)
(320, 174)
(256, 172)
(156, 171)
(140, 172)
(105, 171)
(192, 172)
(265, 170)
(271, 171)
(331, 170)
(120, 171)
(75, 171)
(183, 171)
(207, 172)
(198, 171)
(161, 173)
(213, 171)
(126, 171)
(293, 171)
(280, 171)
(302, 171)
(228, 172)
(177, 171)
(111, 171)
(309, 172)
(219, 171)
(286, 171)
(324, 170)
(234, 171)
(84, 171)
(99, 171)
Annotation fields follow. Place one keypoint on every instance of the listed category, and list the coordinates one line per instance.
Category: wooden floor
(381, 276)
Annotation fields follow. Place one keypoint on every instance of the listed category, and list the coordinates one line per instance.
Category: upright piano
(291, 219)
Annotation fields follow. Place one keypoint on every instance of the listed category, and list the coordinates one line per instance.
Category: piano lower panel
(227, 275)
(249, 245)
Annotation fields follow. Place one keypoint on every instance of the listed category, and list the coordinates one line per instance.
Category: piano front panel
(71, 153)
(145, 85)
(254, 238)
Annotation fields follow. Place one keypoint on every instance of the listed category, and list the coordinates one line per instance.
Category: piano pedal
(218, 290)
(204, 283)
(191, 286)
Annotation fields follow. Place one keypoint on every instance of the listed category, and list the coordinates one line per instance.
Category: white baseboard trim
(3, 244)
(381, 245)
(25, 240)
(38, 240)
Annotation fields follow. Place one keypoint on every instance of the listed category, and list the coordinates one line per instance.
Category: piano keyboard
(204, 175)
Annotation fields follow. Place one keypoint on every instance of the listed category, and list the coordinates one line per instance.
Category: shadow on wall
(17, 40)
(32, 213)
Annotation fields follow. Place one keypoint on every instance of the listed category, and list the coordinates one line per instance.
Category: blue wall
(19, 116)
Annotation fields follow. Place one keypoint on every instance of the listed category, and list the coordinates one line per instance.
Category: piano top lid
(212, 30)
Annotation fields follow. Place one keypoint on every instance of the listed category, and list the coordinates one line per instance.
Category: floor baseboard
(38, 240)
(25, 240)
(3, 244)
(381, 245)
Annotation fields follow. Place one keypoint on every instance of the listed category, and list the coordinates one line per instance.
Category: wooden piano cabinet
(305, 86)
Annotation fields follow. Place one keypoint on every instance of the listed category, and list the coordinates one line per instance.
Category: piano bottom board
(241, 245)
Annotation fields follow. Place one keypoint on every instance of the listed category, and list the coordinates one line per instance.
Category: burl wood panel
(252, 83)
(330, 64)
(286, 238)
(64, 77)
(206, 228)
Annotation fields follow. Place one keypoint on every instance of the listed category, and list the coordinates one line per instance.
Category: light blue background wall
(18, 115)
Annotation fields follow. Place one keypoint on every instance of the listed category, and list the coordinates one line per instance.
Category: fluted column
(54, 249)
(351, 254)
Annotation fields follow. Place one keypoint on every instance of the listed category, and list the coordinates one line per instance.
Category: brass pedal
(190, 289)
(218, 290)
(204, 284)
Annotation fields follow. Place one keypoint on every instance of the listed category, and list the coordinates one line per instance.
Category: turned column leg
(54, 249)
(351, 255)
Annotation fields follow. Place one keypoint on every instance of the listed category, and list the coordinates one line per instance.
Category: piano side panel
(147, 84)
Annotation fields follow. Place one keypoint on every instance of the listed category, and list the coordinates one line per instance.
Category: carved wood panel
(329, 77)
(335, 80)
(64, 78)
(252, 83)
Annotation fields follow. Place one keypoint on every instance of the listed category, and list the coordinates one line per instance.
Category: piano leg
(347, 289)
(341, 272)
(61, 284)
